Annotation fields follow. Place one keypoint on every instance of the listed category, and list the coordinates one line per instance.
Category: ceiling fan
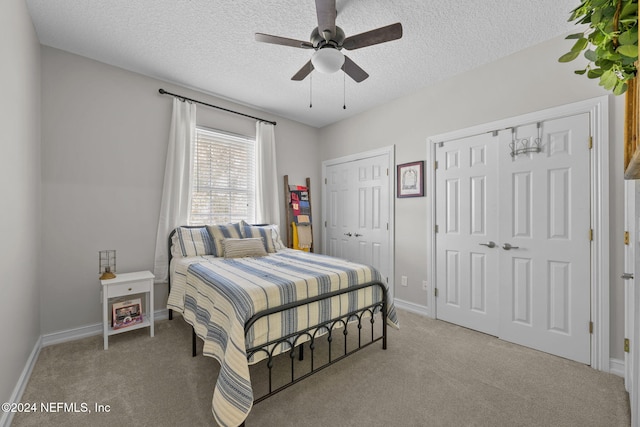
(327, 39)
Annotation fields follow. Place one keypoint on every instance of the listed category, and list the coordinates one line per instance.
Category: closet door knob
(489, 245)
(357, 235)
(508, 247)
(348, 234)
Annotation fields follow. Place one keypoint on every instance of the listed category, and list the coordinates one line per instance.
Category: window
(223, 184)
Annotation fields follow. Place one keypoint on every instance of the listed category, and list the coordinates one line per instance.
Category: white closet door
(467, 253)
(545, 217)
(358, 210)
(533, 287)
(338, 222)
(371, 198)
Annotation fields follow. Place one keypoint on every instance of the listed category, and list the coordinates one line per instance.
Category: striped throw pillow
(220, 232)
(275, 233)
(252, 231)
(188, 242)
(240, 248)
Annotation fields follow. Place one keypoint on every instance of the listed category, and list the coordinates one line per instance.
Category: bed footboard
(325, 331)
(311, 336)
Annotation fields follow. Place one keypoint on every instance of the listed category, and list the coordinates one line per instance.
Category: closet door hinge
(435, 292)
(590, 142)
(626, 238)
(590, 327)
(435, 164)
(387, 171)
(435, 228)
(626, 345)
(325, 181)
(325, 224)
(591, 234)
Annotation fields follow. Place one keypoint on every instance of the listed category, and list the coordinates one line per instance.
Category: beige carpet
(432, 374)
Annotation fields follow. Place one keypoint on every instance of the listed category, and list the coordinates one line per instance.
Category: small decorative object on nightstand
(126, 313)
(127, 284)
(107, 263)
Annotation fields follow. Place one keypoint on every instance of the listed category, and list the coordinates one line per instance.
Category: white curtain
(267, 203)
(176, 194)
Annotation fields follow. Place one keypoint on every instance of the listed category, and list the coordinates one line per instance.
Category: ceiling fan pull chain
(344, 91)
(310, 90)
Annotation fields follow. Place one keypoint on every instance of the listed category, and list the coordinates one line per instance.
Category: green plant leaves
(628, 50)
(575, 36)
(591, 55)
(580, 45)
(629, 37)
(608, 80)
(620, 88)
(595, 73)
(610, 43)
(568, 57)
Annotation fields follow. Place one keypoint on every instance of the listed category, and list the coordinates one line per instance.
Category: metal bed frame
(311, 334)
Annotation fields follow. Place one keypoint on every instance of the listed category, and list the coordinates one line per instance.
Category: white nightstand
(126, 284)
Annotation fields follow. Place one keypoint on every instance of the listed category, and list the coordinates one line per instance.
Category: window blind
(223, 184)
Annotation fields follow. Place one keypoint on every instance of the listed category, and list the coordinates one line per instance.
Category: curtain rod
(184, 98)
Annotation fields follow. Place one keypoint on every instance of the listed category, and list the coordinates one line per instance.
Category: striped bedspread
(217, 296)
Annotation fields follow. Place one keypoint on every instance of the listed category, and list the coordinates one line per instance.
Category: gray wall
(105, 133)
(527, 81)
(19, 192)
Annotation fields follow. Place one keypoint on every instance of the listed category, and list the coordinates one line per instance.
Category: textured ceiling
(209, 45)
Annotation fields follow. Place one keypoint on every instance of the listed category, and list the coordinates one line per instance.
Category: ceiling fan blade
(353, 70)
(303, 72)
(326, 11)
(267, 38)
(379, 35)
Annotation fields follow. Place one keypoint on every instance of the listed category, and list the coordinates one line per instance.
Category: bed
(250, 299)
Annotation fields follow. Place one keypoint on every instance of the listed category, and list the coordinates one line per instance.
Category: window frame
(233, 178)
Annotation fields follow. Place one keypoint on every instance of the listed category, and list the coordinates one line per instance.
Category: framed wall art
(411, 179)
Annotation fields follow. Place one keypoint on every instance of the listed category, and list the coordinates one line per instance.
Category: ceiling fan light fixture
(327, 60)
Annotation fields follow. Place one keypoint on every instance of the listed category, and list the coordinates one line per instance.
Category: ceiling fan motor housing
(318, 40)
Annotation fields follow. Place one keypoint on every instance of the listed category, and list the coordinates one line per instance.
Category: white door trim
(598, 108)
(390, 151)
(635, 362)
(632, 301)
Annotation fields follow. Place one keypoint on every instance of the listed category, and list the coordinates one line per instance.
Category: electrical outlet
(403, 281)
(425, 285)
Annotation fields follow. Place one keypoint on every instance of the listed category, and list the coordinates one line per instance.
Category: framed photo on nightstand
(127, 313)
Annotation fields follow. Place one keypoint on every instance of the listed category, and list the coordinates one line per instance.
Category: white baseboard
(16, 396)
(71, 334)
(87, 331)
(412, 307)
(616, 367)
